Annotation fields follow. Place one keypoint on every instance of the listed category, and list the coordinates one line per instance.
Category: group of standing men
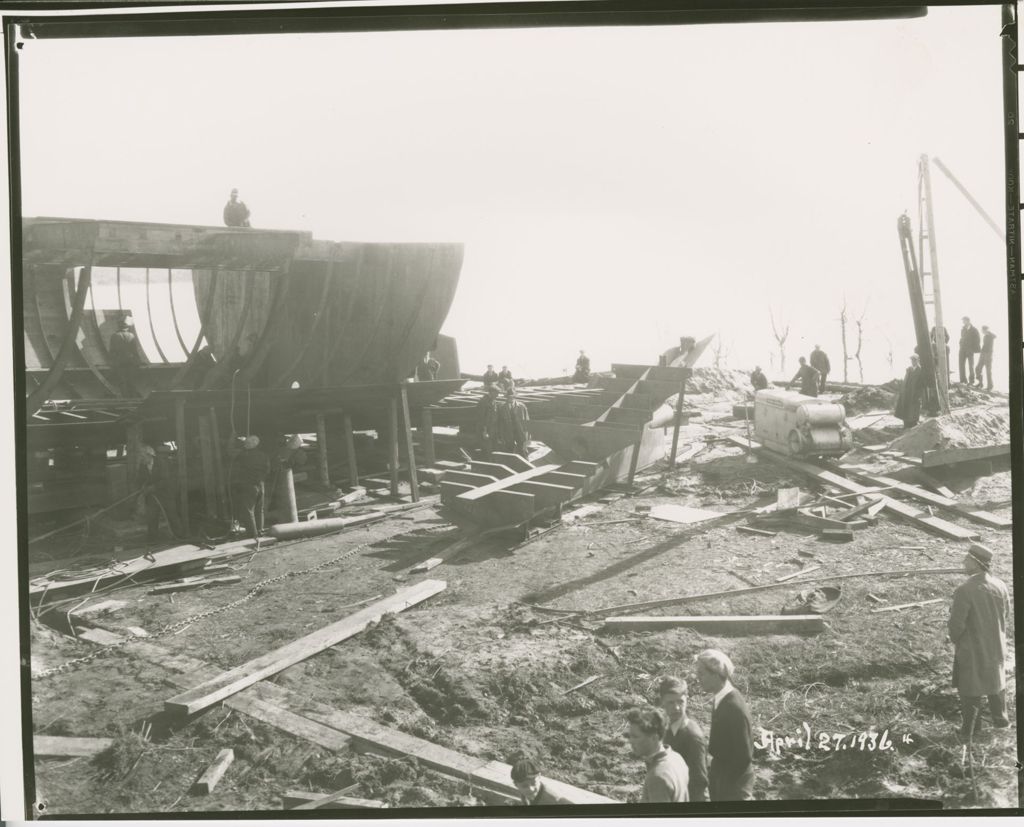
(812, 377)
(502, 420)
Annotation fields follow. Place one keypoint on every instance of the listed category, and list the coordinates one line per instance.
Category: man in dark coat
(490, 376)
(532, 791)
(988, 339)
(159, 481)
(758, 380)
(236, 214)
(731, 742)
(426, 370)
(684, 735)
(124, 357)
(970, 343)
(247, 475)
(819, 361)
(487, 419)
(977, 629)
(667, 777)
(582, 373)
(908, 402)
(513, 424)
(808, 378)
(505, 380)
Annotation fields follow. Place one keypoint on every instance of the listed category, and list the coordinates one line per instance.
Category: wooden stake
(209, 474)
(350, 448)
(181, 437)
(393, 444)
(288, 481)
(675, 427)
(427, 435)
(407, 431)
(218, 463)
(321, 450)
(216, 770)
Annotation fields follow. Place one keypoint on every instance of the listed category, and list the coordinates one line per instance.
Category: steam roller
(799, 425)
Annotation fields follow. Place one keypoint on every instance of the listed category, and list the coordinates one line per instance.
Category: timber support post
(393, 444)
(321, 451)
(407, 432)
(350, 450)
(181, 438)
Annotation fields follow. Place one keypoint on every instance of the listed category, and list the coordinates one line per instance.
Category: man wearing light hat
(124, 356)
(977, 629)
(249, 470)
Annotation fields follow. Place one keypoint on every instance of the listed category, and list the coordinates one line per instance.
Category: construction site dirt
(512, 654)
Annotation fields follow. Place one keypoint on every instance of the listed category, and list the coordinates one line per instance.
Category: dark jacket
(689, 742)
(731, 743)
(977, 627)
(970, 340)
(819, 361)
(758, 380)
(236, 214)
(490, 377)
(250, 467)
(124, 351)
(808, 378)
(986, 346)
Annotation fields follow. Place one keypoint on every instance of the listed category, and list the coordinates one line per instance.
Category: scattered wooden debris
(209, 779)
(742, 624)
(293, 798)
(791, 575)
(101, 637)
(683, 514)
(746, 529)
(907, 605)
(582, 684)
(339, 801)
(875, 599)
(950, 456)
(58, 746)
(210, 692)
(582, 511)
(193, 584)
(837, 535)
(787, 498)
(101, 608)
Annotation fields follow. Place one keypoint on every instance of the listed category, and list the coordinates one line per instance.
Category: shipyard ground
(476, 669)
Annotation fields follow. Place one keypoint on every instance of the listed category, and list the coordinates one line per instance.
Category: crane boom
(963, 191)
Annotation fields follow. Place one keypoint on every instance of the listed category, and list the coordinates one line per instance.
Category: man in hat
(236, 214)
(513, 427)
(159, 481)
(970, 343)
(819, 361)
(487, 418)
(684, 735)
(532, 791)
(988, 339)
(490, 376)
(125, 357)
(758, 380)
(667, 778)
(977, 629)
(808, 378)
(505, 379)
(247, 474)
(908, 403)
(582, 373)
(731, 741)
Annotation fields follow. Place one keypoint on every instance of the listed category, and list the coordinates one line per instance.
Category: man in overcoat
(977, 629)
(731, 741)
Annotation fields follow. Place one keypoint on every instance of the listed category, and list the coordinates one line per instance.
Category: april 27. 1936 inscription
(865, 741)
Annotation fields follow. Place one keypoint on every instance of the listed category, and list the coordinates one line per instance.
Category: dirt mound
(718, 381)
(973, 428)
(992, 489)
(964, 396)
(863, 400)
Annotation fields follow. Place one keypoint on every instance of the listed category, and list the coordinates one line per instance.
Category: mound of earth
(974, 428)
(964, 396)
(863, 400)
(718, 381)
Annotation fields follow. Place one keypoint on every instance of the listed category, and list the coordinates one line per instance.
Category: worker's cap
(128, 321)
(234, 192)
(251, 441)
(163, 449)
(965, 319)
(981, 554)
(147, 451)
(294, 442)
(524, 769)
(716, 662)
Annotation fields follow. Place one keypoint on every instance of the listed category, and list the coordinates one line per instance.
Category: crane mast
(931, 293)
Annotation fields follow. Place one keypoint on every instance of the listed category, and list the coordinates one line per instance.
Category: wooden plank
(210, 692)
(578, 466)
(546, 494)
(468, 478)
(513, 461)
(791, 575)
(193, 585)
(908, 605)
(293, 798)
(209, 471)
(985, 517)
(181, 442)
(218, 462)
(340, 801)
(746, 529)
(742, 624)
(684, 514)
(59, 746)
(574, 481)
(949, 456)
(321, 451)
(491, 469)
(498, 485)
(103, 607)
(787, 498)
(392, 437)
(214, 773)
(427, 435)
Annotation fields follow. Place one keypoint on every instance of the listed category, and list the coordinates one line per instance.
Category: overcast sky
(615, 187)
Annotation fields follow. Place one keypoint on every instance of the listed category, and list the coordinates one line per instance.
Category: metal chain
(195, 618)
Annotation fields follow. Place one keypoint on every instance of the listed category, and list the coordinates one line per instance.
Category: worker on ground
(758, 380)
(487, 419)
(819, 361)
(433, 366)
(582, 373)
(908, 402)
(977, 629)
(505, 380)
(731, 741)
(935, 346)
(236, 214)
(290, 456)
(125, 357)
(684, 735)
(808, 377)
(159, 483)
(426, 370)
(532, 792)
(970, 343)
(667, 778)
(490, 376)
(247, 475)
(513, 424)
(988, 339)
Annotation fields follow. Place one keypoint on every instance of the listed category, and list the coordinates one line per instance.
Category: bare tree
(721, 351)
(889, 354)
(860, 342)
(780, 339)
(842, 328)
